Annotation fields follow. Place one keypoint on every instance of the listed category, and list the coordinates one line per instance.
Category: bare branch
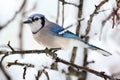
(24, 73)
(113, 14)
(58, 11)
(10, 46)
(85, 53)
(38, 74)
(46, 73)
(85, 63)
(93, 14)
(54, 66)
(63, 12)
(46, 50)
(9, 64)
(90, 62)
(80, 7)
(100, 74)
(73, 56)
(69, 3)
(4, 72)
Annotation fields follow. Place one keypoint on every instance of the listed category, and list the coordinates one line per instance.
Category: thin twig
(58, 11)
(65, 2)
(54, 66)
(24, 73)
(4, 72)
(10, 46)
(46, 73)
(90, 62)
(93, 14)
(38, 75)
(85, 62)
(3, 57)
(80, 7)
(73, 56)
(9, 64)
(85, 53)
(63, 13)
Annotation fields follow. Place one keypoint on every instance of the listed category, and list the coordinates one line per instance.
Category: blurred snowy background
(104, 32)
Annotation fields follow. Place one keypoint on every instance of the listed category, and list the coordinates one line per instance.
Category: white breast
(49, 40)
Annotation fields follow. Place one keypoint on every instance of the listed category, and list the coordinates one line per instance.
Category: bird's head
(36, 22)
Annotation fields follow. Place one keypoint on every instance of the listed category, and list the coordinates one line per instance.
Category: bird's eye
(36, 18)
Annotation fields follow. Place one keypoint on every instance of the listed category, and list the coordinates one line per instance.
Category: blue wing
(56, 30)
(69, 34)
(60, 31)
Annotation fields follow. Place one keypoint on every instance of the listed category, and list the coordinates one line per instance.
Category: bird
(53, 35)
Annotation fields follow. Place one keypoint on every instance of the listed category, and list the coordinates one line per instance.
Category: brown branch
(63, 13)
(58, 11)
(74, 51)
(74, 72)
(80, 7)
(113, 14)
(69, 3)
(38, 75)
(24, 73)
(22, 52)
(10, 46)
(85, 54)
(72, 60)
(4, 72)
(73, 56)
(51, 53)
(90, 62)
(9, 64)
(46, 50)
(92, 15)
(46, 73)
(100, 74)
(85, 59)
(6, 53)
(54, 66)
(1, 66)
(113, 20)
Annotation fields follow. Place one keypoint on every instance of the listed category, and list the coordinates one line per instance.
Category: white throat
(36, 26)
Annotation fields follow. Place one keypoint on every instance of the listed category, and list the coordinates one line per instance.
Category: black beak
(27, 21)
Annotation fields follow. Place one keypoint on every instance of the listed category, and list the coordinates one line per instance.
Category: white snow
(110, 39)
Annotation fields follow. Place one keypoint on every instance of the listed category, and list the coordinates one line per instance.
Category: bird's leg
(54, 49)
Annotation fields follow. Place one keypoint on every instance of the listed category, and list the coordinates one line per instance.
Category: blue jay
(54, 36)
